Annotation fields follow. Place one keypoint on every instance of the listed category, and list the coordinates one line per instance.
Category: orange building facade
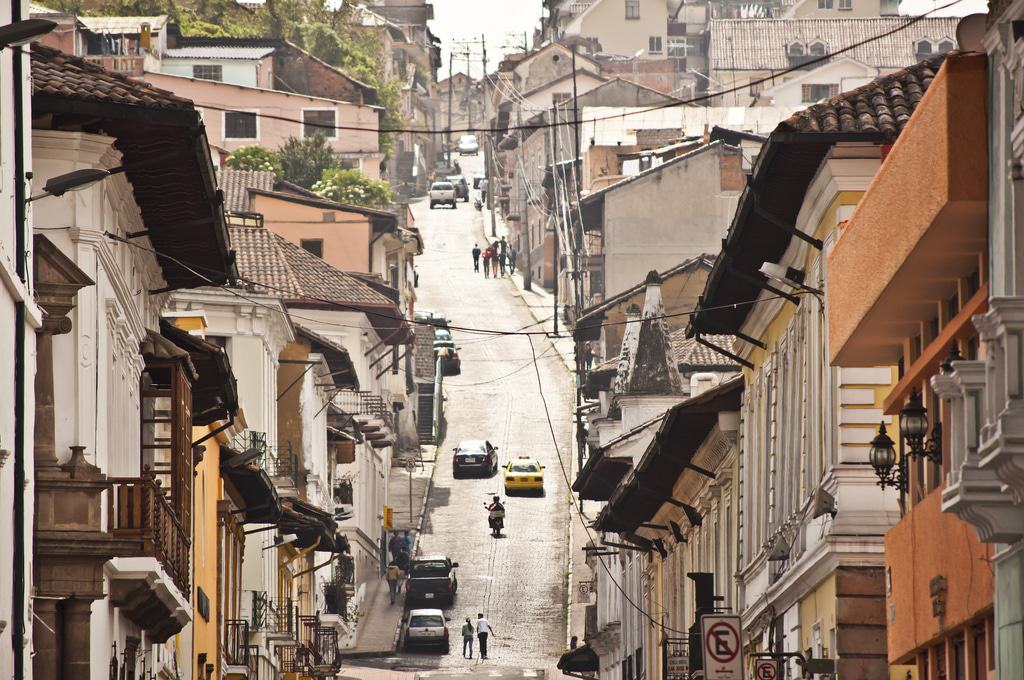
(908, 275)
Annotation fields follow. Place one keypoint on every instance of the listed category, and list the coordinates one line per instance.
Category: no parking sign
(766, 669)
(720, 637)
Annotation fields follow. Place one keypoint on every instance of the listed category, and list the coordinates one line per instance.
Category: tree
(304, 160)
(255, 157)
(353, 188)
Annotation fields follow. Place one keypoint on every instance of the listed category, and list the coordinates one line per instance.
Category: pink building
(269, 117)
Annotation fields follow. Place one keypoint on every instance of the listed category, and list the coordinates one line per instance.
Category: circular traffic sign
(722, 642)
(766, 669)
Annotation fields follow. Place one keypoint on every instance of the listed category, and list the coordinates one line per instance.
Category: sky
(501, 22)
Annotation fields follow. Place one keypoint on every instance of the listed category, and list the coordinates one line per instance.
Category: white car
(427, 627)
(468, 146)
(442, 192)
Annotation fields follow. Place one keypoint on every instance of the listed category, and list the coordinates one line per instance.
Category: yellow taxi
(523, 474)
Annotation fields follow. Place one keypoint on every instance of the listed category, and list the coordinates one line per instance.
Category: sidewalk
(380, 620)
(541, 304)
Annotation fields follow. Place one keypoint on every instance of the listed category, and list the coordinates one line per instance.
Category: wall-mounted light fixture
(24, 32)
(891, 470)
(76, 180)
(914, 429)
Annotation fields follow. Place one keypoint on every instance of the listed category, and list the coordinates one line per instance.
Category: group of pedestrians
(400, 547)
(498, 256)
(483, 631)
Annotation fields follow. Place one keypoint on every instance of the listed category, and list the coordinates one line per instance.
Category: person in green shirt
(467, 639)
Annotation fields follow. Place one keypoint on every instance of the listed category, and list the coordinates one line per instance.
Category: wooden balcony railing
(139, 510)
(125, 64)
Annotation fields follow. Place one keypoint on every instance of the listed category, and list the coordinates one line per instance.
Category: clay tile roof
(689, 353)
(62, 75)
(265, 257)
(236, 184)
(884, 105)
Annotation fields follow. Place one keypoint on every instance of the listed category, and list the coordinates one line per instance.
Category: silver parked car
(427, 627)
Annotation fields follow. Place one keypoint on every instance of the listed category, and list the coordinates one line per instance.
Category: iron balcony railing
(266, 616)
(277, 458)
(236, 642)
(363, 403)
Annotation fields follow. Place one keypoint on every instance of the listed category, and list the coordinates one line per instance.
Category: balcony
(150, 582)
(317, 653)
(241, 658)
(372, 412)
(126, 64)
(279, 461)
(279, 620)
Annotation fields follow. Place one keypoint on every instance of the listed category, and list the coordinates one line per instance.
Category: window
(816, 92)
(560, 97)
(319, 120)
(756, 88)
(632, 9)
(208, 72)
(923, 49)
(166, 416)
(795, 50)
(313, 245)
(816, 49)
(845, 5)
(240, 125)
(824, 4)
(654, 44)
(946, 46)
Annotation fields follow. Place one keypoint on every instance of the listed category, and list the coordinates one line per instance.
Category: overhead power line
(618, 116)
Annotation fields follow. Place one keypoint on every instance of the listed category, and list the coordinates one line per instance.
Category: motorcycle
(496, 520)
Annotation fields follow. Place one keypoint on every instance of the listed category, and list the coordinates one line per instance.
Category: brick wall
(296, 71)
(424, 353)
(732, 176)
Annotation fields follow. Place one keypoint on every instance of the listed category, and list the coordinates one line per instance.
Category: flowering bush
(351, 187)
(255, 157)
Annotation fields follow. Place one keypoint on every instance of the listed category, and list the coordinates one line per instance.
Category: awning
(214, 391)
(311, 524)
(600, 475)
(258, 496)
(343, 371)
(682, 431)
(581, 660)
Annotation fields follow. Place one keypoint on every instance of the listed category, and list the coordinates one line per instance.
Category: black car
(475, 455)
(444, 346)
(432, 580)
(461, 187)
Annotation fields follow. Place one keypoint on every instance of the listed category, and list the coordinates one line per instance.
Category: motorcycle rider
(496, 515)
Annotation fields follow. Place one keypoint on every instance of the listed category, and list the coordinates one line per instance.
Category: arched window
(946, 46)
(817, 49)
(795, 49)
(923, 49)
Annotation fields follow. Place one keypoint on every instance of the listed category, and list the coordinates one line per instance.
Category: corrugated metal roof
(123, 24)
(760, 44)
(211, 52)
(608, 126)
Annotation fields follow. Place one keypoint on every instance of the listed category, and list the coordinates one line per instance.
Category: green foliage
(351, 187)
(255, 157)
(303, 161)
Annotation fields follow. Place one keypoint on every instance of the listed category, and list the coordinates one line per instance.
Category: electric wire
(568, 484)
(802, 68)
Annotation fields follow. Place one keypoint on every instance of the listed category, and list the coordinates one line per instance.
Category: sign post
(720, 638)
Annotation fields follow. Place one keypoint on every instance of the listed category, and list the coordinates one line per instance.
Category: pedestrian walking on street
(495, 251)
(407, 537)
(467, 638)
(503, 246)
(395, 545)
(488, 254)
(501, 262)
(483, 629)
(476, 257)
(394, 577)
(511, 260)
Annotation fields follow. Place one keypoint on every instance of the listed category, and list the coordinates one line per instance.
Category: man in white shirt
(483, 629)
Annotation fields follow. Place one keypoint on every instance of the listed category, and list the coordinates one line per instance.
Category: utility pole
(553, 164)
(448, 145)
(489, 147)
(576, 125)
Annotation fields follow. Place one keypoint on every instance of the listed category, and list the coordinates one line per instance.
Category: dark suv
(461, 187)
(432, 580)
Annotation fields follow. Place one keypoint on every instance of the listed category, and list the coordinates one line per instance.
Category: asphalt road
(519, 581)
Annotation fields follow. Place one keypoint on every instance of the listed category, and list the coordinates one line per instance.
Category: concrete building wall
(271, 132)
(840, 76)
(687, 223)
(345, 236)
(234, 71)
(606, 21)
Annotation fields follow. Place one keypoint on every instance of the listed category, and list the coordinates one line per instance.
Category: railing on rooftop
(138, 509)
(269, 617)
(129, 65)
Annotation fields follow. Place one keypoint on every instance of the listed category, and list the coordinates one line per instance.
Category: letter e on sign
(720, 638)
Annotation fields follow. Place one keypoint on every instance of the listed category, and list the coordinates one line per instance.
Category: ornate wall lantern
(891, 470)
